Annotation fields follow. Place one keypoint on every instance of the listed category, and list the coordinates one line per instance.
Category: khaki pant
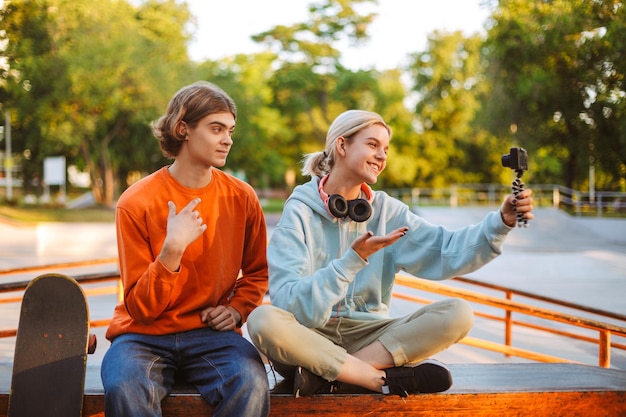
(323, 351)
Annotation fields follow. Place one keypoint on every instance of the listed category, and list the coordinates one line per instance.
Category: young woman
(185, 234)
(332, 262)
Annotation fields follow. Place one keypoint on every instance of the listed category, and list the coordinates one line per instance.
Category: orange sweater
(158, 301)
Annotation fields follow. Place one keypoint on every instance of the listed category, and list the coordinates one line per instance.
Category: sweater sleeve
(436, 253)
(148, 284)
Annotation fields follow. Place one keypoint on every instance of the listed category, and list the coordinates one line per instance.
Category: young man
(191, 242)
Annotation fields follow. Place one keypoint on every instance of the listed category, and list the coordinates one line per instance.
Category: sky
(224, 27)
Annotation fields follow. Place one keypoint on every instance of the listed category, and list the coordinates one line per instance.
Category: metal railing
(508, 307)
(606, 331)
(598, 203)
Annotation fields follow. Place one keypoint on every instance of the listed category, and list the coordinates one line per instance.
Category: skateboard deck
(50, 349)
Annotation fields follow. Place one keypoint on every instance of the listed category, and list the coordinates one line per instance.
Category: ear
(181, 129)
(340, 146)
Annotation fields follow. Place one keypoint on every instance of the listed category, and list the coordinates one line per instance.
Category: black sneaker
(284, 383)
(306, 383)
(426, 377)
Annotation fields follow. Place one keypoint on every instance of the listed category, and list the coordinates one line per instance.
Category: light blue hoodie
(316, 275)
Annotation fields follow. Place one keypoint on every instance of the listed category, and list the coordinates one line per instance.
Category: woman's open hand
(368, 244)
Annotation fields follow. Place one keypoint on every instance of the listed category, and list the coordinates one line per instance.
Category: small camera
(516, 159)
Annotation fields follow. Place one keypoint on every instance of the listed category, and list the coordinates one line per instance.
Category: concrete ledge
(479, 390)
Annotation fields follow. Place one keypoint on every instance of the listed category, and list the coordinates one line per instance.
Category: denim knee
(131, 396)
(128, 390)
(246, 392)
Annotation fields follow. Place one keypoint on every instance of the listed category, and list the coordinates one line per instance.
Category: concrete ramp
(550, 229)
(582, 260)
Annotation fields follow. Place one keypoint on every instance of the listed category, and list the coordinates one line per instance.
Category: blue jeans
(138, 372)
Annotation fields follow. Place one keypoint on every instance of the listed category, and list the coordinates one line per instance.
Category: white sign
(54, 170)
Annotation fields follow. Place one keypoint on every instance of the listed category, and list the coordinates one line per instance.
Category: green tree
(448, 82)
(557, 70)
(105, 69)
(261, 130)
(314, 42)
(28, 48)
(311, 87)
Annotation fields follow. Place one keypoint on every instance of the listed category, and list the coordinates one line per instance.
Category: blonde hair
(346, 125)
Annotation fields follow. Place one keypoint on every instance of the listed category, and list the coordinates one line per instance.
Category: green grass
(38, 214)
(272, 205)
(56, 214)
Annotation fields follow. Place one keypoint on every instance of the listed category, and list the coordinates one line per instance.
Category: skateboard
(51, 349)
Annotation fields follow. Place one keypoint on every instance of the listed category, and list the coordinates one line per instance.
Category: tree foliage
(97, 78)
(311, 86)
(84, 79)
(261, 130)
(448, 78)
(314, 42)
(558, 74)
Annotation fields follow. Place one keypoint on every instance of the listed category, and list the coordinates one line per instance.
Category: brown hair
(190, 104)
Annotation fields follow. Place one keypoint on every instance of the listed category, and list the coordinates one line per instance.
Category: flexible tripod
(517, 187)
(517, 160)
